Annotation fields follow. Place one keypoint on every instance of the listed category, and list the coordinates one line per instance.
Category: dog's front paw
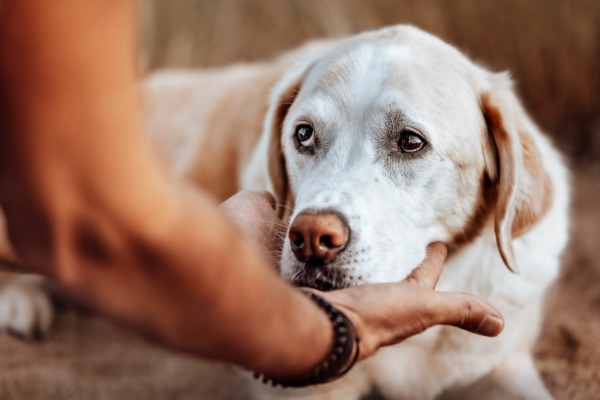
(26, 308)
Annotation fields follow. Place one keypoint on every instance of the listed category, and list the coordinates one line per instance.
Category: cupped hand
(386, 314)
(382, 314)
(254, 214)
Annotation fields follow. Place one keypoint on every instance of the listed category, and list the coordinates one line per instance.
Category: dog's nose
(318, 236)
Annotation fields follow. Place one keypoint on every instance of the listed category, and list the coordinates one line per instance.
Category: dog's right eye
(305, 135)
(410, 142)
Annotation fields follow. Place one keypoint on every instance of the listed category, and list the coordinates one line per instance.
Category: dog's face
(386, 149)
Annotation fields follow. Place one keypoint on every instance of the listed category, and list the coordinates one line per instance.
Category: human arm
(87, 203)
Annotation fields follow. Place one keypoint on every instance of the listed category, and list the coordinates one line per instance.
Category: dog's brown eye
(410, 142)
(305, 135)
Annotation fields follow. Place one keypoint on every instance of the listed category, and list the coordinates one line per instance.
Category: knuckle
(470, 316)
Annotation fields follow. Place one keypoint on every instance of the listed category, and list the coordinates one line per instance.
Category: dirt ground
(568, 351)
(87, 358)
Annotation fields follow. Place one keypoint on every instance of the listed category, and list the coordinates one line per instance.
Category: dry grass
(552, 47)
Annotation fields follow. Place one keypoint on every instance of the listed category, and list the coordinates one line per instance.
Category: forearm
(202, 288)
(195, 285)
(86, 203)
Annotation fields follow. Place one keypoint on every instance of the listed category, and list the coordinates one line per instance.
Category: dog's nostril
(318, 236)
(326, 241)
(297, 240)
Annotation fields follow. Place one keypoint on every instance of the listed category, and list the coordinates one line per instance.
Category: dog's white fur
(488, 183)
(25, 304)
(395, 210)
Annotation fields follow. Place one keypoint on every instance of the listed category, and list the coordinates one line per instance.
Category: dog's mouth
(318, 283)
(320, 278)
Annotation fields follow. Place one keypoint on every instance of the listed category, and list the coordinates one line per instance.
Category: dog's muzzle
(317, 237)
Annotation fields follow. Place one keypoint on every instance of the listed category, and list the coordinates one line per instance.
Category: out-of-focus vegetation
(552, 47)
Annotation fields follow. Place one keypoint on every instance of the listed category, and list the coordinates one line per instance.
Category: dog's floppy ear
(269, 151)
(513, 161)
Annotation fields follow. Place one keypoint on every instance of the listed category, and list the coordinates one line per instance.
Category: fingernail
(490, 326)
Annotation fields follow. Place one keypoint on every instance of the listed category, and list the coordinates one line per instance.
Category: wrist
(342, 355)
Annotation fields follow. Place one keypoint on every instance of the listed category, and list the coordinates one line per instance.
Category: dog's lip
(318, 282)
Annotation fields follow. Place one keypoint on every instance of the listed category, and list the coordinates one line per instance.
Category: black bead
(333, 365)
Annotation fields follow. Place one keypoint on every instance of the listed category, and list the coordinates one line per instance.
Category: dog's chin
(324, 285)
(321, 278)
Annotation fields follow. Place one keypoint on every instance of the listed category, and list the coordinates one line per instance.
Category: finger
(268, 197)
(428, 273)
(466, 312)
(259, 198)
(250, 196)
(13, 267)
(253, 214)
(248, 205)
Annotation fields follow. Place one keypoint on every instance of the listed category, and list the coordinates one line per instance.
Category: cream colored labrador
(406, 142)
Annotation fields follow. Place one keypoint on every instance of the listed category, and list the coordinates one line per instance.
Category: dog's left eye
(410, 142)
(305, 135)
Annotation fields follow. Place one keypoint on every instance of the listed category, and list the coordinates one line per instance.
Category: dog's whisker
(287, 206)
(278, 224)
(265, 222)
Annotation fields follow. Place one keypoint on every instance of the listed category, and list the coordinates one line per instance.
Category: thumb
(466, 312)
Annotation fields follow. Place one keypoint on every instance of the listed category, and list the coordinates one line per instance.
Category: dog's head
(389, 142)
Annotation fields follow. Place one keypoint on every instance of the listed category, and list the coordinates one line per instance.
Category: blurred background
(551, 47)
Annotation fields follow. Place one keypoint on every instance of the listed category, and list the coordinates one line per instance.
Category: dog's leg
(25, 305)
(516, 378)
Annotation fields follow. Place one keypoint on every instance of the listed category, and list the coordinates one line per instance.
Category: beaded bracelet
(341, 358)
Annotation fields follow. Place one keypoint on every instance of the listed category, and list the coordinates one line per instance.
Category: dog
(397, 140)
(26, 306)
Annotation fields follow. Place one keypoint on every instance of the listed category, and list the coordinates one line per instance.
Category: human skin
(87, 204)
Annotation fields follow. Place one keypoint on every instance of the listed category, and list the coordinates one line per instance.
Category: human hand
(386, 314)
(382, 314)
(254, 215)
